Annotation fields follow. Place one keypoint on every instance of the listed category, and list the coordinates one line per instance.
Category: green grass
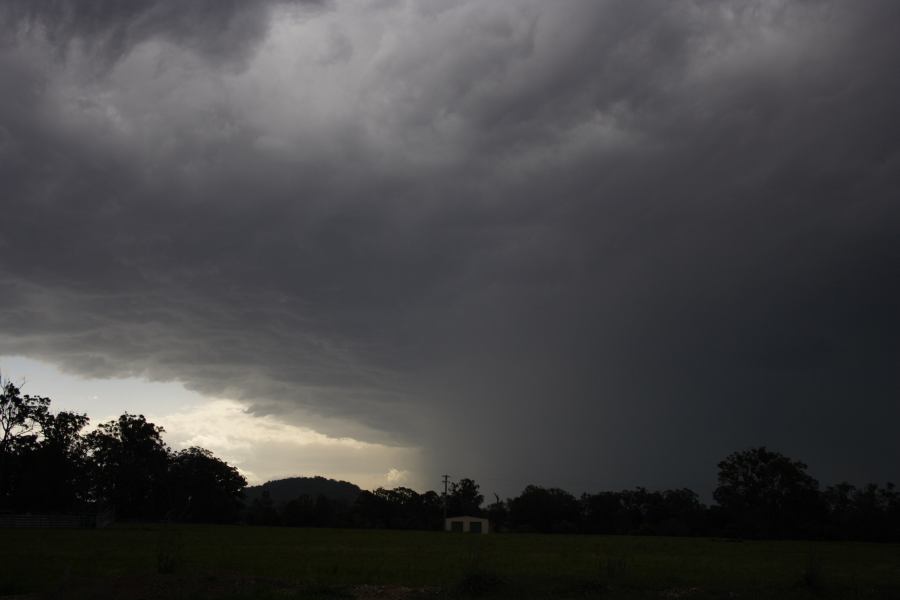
(251, 562)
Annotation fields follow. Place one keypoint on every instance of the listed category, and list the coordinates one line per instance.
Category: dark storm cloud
(587, 244)
(216, 28)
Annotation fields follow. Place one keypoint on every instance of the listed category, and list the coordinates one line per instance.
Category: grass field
(258, 562)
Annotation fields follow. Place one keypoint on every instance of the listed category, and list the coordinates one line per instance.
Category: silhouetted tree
(20, 418)
(130, 466)
(603, 513)
(840, 504)
(398, 508)
(766, 494)
(329, 512)
(868, 513)
(41, 454)
(299, 512)
(498, 514)
(404, 507)
(464, 498)
(371, 510)
(431, 506)
(545, 510)
(203, 488)
(681, 513)
(262, 511)
(667, 512)
(54, 474)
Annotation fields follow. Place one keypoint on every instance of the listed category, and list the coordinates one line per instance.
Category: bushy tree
(47, 464)
(603, 513)
(54, 473)
(498, 514)
(545, 510)
(203, 488)
(766, 494)
(41, 454)
(398, 508)
(20, 417)
(868, 513)
(130, 467)
(262, 511)
(464, 498)
(299, 512)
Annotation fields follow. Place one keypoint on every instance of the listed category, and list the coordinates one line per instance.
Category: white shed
(467, 525)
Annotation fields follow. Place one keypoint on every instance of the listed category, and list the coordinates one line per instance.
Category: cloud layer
(582, 243)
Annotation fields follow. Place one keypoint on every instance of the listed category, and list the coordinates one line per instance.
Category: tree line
(47, 464)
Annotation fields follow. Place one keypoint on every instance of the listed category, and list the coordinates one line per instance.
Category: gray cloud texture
(589, 244)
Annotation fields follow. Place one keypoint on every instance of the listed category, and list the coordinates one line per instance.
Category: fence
(54, 521)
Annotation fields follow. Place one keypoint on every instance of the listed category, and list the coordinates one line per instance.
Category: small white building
(467, 525)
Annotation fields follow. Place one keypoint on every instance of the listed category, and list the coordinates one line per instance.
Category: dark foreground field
(250, 562)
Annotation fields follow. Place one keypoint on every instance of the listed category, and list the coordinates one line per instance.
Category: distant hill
(284, 490)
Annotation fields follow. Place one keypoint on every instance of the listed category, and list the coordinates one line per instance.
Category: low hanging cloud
(588, 244)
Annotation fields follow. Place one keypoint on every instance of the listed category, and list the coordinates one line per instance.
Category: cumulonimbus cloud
(583, 236)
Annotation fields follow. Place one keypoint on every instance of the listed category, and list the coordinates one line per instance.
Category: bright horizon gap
(262, 448)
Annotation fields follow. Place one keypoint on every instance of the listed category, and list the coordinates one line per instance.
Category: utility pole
(446, 479)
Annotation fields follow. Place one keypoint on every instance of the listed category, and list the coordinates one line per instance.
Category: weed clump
(477, 579)
(477, 582)
(169, 551)
(813, 577)
(615, 568)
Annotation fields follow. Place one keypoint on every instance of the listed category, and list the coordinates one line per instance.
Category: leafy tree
(46, 464)
(130, 466)
(545, 510)
(682, 513)
(640, 510)
(667, 512)
(299, 512)
(20, 417)
(498, 514)
(204, 488)
(431, 507)
(398, 508)
(603, 513)
(20, 425)
(891, 522)
(868, 513)
(262, 510)
(402, 506)
(840, 505)
(767, 494)
(328, 512)
(371, 509)
(464, 498)
(54, 471)
(321, 511)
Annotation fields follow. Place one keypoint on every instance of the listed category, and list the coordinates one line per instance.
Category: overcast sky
(590, 244)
